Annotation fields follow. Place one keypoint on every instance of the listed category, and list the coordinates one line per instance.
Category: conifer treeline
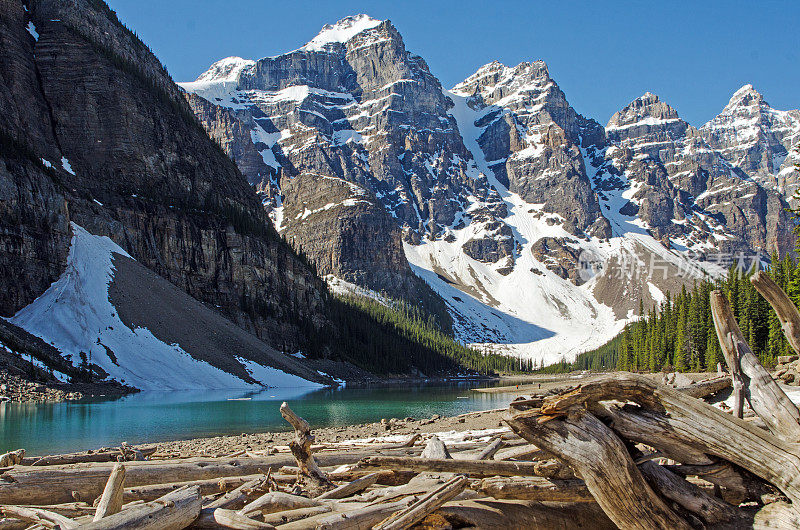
(679, 335)
(389, 339)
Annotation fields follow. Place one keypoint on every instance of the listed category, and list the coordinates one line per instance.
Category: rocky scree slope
(539, 228)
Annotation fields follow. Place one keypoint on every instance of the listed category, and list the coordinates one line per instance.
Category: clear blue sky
(602, 54)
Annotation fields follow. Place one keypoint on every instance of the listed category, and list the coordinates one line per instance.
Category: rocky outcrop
(102, 137)
(532, 139)
(360, 110)
(757, 139)
(684, 189)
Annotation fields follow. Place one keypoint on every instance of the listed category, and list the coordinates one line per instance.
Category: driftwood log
(301, 449)
(171, 512)
(761, 391)
(111, 499)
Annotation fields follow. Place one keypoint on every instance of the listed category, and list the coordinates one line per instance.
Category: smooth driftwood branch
(40, 516)
(237, 495)
(278, 501)
(111, 499)
(536, 489)
(653, 429)
(237, 521)
(408, 517)
(483, 468)
(786, 311)
(301, 449)
(289, 516)
(96, 456)
(351, 488)
(207, 487)
(762, 392)
(359, 519)
(171, 512)
(490, 450)
(596, 453)
(690, 497)
(508, 514)
(695, 424)
(705, 388)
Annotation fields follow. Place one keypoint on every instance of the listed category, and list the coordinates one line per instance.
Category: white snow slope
(527, 314)
(75, 315)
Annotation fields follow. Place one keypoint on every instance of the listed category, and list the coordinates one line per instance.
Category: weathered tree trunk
(39, 516)
(237, 521)
(301, 449)
(690, 497)
(111, 499)
(488, 514)
(408, 517)
(277, 501)
(171, 512)
(536, 489)
(485, 468)
(351, 488)
(491, 450)
(764, 395)
(694, 423)
(601, 459)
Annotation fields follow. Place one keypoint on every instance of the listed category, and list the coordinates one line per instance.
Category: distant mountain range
(537, 230)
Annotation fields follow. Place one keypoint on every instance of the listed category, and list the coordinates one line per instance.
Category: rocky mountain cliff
(96, 138)
(539, 228)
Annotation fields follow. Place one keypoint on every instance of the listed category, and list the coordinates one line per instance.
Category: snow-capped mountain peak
(227, 69)
(341, 32)
(494, 81)
(744, 97)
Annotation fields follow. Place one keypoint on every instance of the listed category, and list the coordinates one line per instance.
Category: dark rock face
(561, 256)
(533, 138)
(757, 139)
(365, 112)
(681, 178)
(137, 167)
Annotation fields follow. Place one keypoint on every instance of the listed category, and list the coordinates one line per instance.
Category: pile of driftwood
(619, 451)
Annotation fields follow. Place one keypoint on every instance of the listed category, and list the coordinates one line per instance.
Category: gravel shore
(400, 427)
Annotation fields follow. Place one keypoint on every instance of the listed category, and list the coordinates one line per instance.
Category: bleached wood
(232, 519)
(491, 449)
(765, 397)
(40, 516)
(174, 511)
(694, 423)
(360, 519)
(301, 449)
(677, 489)
(596, 453)
(507, 514)
(235, 496)
(536, 489)
(78, 458)
(485, 468)
(111, 499)
(207, 487)
(351, 488)
(408, 517)
(278, 501)
(289, 516)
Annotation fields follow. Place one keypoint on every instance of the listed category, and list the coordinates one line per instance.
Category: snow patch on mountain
(341, 32)
(75, 311)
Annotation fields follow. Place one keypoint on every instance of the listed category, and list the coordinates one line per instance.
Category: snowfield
(75, 316)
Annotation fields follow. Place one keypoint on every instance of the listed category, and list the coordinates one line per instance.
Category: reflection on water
(159, 416)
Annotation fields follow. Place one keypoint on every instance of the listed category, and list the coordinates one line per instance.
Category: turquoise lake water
(155, 416)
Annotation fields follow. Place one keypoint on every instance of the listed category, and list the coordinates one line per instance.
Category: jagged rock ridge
(498, 188)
